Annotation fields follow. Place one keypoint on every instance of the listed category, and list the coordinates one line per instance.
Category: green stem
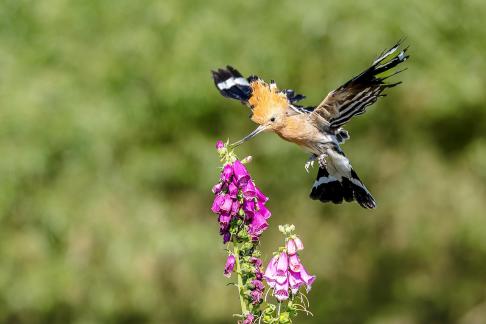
(244, 311)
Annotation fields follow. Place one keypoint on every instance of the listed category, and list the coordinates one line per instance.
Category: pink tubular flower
(291, 247)
(294, 263)
(227, 173)
(227, 204)
(298, 243)
(229, 266)
(256, 262)
(282, 263)
(265, 213)
(241, 174)
(270, 275)
(248, 319)
(260, 196)
(233, 190)
(217, 188)
(308, 279)
(249, 190)
(257, 226)
(218, 201)
(295, 281)
(281, 291)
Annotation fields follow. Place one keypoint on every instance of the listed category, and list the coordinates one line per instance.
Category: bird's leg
(322, 160)
(310, 162)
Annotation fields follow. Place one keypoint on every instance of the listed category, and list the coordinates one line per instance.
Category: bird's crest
(266, 99)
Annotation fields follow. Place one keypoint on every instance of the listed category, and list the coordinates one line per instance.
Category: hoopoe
(317, 130)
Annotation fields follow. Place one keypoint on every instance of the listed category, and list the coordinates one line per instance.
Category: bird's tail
(232, 84)
(328, 188)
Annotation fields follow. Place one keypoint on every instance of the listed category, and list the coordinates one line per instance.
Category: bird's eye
(272, 119)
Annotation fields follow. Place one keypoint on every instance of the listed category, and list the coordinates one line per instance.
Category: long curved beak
(257, 131)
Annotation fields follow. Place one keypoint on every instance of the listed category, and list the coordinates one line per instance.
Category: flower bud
(247, 159)
(220, 147)
(284, 318)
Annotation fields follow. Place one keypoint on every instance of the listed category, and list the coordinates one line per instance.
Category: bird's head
(269, 108)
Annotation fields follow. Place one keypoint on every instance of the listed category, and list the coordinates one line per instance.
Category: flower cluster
(238, 200)
(242, 217)
(285, 271)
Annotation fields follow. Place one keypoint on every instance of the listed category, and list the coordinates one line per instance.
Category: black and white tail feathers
(328, 188)
(232, 84)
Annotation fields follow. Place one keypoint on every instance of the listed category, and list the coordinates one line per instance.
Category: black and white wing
(232, 84)
(354, 96)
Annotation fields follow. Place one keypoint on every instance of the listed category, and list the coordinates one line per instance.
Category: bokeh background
(108, 121)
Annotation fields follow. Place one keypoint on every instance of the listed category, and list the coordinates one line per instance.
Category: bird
(317, 129)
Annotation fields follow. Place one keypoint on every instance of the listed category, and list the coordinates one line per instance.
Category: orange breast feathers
(266, 100)
(299, 130)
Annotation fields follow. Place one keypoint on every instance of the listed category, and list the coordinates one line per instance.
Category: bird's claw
(308, 164)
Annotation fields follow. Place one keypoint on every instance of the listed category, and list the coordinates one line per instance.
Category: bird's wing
(354, 96)
(232, 84)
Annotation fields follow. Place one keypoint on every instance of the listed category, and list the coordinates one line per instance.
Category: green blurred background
(108, 121)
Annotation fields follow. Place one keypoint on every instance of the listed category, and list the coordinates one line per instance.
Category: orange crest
(266, 100)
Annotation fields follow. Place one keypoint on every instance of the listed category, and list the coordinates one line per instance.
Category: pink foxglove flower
(271, 272)
(229, 266)
(241, 174)
(294, 263)
(227, 173)
(298, 243)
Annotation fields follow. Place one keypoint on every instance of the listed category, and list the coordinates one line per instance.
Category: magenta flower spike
(243, 217)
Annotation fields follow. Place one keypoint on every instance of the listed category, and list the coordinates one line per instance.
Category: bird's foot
(310, 162)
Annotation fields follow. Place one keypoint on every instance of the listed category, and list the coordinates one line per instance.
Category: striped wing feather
(354, 96)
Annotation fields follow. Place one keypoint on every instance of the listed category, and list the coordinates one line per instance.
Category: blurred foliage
(108, 121)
